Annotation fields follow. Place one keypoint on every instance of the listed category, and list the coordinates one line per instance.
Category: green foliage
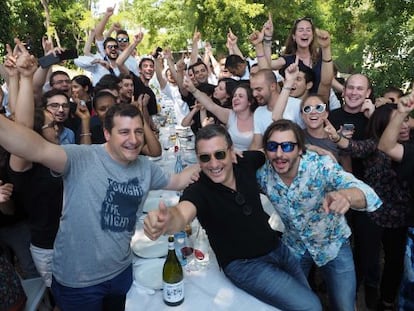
(371, 36)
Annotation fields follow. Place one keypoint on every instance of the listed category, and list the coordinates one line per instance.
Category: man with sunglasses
(311, 193)
(122, 39)
(226, 201)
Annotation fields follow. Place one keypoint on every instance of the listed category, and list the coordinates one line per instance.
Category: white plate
(149, 274)
(142, 246)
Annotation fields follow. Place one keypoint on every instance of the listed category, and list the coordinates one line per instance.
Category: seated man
(226, 200)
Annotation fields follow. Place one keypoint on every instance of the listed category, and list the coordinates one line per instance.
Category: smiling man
(311, 193)
(104, 189)
(226, 201)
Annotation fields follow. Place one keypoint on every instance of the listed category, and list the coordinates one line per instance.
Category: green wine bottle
(172, 276)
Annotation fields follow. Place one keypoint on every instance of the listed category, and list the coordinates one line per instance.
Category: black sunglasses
(241, 201)
(122, 40)
(319, 108)
(112, 47)
(218, 155)
(287, 146)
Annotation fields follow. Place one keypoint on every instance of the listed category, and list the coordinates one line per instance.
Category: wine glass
(167, 144)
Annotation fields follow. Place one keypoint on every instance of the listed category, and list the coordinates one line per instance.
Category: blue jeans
(276, 279)
(109, 295)
(339, 276)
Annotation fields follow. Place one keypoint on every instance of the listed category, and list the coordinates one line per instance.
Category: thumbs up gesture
(156, 222)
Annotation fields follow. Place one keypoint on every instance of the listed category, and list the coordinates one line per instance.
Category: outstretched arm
(221, 113)
(99, 29)
(120, 61)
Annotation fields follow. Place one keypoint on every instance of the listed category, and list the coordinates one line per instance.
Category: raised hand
(256, 37)
(268, 28)
(155, 224)
(26, 63)
(188, 84)
(323, 37)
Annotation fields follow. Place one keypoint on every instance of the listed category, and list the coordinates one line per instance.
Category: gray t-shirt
(102, 199)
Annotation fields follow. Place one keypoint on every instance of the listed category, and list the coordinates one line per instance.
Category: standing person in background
(386, 228)
(404, 154)
(238, 120)
(226, 201)
(311, 194)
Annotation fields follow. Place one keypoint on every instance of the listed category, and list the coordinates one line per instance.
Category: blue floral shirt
(307, 226)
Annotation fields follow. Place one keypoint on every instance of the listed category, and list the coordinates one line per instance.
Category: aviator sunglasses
(218, 155)
(125, 40)
(319, 108)
(287, 146)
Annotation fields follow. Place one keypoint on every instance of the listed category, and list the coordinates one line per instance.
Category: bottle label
(173, 292)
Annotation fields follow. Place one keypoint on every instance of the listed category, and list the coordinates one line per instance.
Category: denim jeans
(339, 276)
(106, 296)
(276, 279)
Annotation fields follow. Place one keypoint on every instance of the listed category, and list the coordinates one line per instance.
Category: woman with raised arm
(238, 120)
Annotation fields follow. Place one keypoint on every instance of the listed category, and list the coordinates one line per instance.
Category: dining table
(206, 287)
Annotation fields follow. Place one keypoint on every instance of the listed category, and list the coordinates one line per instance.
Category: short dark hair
(197, 63)
(309, 74)
(109, 39)
(144, 59)
(211, 131)
(233, 60)
(284, 125)
(394, 89)
(55, 73)
(51, 93)
(125, 76)
(122, 110)
(107, 81)
(122, 32)
(102, 94)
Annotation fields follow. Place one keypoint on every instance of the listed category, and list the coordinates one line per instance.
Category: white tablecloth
(208, 290)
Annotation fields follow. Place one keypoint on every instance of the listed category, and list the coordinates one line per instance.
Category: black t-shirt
(339, 117)
(141, 88)
(43, 199)
(233, 234)
(190, 100)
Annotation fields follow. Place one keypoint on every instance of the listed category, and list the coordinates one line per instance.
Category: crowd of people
(75, 170)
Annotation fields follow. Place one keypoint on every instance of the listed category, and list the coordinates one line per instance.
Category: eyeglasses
(287, 146)
(241, 201)
(49, 125)
(67, 81)
(58, 106)
(123, 40)
(112, 47)
(218, 155)
(319, 108)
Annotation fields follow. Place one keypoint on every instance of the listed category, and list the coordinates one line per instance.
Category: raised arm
(120, 61)
(99, 29)
(194, 47)
(267, 39)
(389, 139)
(159, 66)
(327, 70)
(88, 43)
(256, 38)
(221, 113)
(291, 73)
(232, 44)
(13, 77)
